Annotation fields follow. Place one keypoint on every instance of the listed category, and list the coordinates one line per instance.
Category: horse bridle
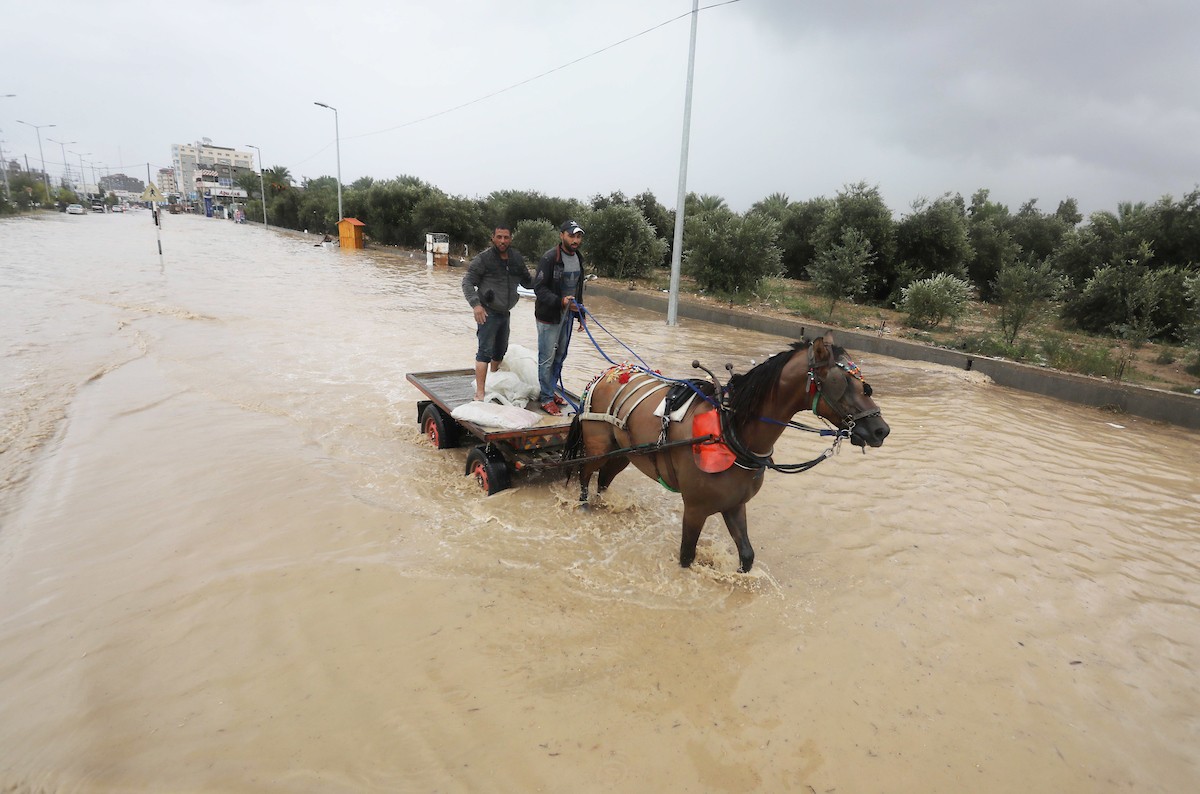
(820, 388)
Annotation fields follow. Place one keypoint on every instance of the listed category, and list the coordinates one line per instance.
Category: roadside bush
(928, 301)
(1087, 360)
(994, 347)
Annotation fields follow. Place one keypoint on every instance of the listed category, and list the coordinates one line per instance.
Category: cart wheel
(489, 469)
(441, 430)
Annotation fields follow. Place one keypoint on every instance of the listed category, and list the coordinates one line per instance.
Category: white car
(74, 209)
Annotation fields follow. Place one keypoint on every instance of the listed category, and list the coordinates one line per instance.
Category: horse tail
(573, 447)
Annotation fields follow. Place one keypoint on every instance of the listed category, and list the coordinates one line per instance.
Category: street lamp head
(329, 107)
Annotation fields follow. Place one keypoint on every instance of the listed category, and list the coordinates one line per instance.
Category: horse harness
(632, 393)
(637, 385)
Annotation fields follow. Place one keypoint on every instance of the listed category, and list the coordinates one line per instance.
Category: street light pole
(681, 197)
(63, 145)
(4, 168)
(4, 162)
(38, 127)
(337, 137)
(82, 178)
(261, 185)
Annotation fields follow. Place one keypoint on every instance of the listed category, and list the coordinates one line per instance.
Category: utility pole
(337, 137)
(4, 167)
(262, 188)
(45, 177)
(681, 198)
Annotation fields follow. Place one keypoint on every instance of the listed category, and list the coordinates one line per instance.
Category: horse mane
(747, 392)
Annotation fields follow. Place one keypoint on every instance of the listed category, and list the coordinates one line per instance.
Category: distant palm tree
(773, 206)
(699, 205)
(278, 179)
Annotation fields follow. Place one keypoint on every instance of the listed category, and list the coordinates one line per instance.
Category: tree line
(1130, 273)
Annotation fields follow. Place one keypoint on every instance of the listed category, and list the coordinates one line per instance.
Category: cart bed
(448, 389)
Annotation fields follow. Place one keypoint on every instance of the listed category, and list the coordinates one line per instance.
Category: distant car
(97, 206)
(74, 209)
(117, 208)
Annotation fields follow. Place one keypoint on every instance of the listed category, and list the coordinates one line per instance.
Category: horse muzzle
(869, 430)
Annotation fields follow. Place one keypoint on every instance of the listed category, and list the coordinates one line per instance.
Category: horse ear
(818, 350)
(829, 339)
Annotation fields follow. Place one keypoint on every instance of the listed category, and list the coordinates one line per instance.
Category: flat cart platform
(500, 454)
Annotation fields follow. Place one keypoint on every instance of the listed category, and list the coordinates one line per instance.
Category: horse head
(842, 396)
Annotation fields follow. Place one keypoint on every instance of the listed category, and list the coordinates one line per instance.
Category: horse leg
(735, 522)
(585, 479)
(609, 471)
(693, 523)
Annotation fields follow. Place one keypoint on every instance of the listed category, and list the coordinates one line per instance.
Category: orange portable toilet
(350, 232)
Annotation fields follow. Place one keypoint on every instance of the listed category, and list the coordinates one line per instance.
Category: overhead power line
(526, 81)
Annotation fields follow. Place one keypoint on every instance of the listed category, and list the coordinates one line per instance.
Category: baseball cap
(571, 227)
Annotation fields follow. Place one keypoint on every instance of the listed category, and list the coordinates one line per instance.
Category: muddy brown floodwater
(229, 560)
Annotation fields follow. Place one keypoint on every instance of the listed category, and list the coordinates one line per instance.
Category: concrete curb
(1155, 404)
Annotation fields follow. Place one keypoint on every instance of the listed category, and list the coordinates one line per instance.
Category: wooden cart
(499, 455)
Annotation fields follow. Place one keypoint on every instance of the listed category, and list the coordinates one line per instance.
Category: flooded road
(230, 561)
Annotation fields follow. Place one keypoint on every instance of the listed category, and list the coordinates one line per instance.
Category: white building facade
(187, 159)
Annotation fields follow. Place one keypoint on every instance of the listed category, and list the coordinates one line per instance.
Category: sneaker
(559, 400)
(552, 408)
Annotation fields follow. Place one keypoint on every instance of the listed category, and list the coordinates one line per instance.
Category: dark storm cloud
(1104, 87)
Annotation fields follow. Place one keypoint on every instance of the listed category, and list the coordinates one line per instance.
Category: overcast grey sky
(1042, 99)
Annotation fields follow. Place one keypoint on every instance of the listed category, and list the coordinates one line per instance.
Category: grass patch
(1084, 359)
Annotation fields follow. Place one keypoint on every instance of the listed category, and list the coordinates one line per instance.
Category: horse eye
(866, 389)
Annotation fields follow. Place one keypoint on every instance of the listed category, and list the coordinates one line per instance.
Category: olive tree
(1019, 289)
(862, 207)
(620, 242)
(727, 253)
(534, 237)
(934, 238)
(840, 270)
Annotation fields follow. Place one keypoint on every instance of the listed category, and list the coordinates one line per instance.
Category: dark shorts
(493, 338)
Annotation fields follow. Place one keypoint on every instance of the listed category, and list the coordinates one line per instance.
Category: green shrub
(1089, 360)
(996, 347)
(928, 301)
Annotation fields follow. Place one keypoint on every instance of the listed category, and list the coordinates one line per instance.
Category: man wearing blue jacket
(490, 286)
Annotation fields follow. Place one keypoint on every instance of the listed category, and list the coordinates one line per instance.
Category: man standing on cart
(558, 290)
(490, 286)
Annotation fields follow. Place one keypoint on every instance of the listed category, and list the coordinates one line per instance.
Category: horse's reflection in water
(617, 424)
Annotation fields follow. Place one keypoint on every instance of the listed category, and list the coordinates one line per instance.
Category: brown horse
(617, 424)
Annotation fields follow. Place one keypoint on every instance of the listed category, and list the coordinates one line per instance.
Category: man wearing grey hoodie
(490, 286)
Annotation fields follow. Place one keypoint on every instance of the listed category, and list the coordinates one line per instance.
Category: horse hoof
(686, 563)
